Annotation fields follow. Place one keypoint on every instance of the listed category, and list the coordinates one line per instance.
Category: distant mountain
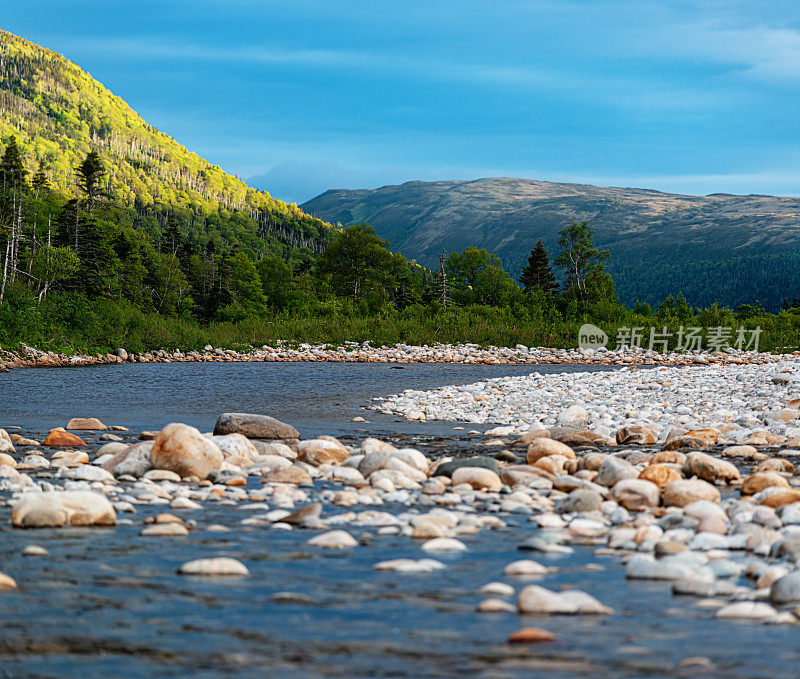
(725, 248)
(58, 113)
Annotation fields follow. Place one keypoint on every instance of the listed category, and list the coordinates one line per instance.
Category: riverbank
(750, 395)
(352, 352)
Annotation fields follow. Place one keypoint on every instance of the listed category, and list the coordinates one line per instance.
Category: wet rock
(668, 548)
(59, 508)
(184, 503)
(214, 567)
(60, 438)
(781, 498)
(7, 582)
(447, 468)
(538, 544)
(236, 449)
(635, 434)
(292, 474)
(580, 500)
(531, 635)
(755, 483)
(90, 473)
(85, 424)
(171, 529)
(614, 470)
(335, 539)
(69, 458)
(228, 477)
(529, 436)
(254, 426)
(712, 524)
(318, 452)
(745, 451)
(304, 515)
(274, 449)
(35, 550)
(684, 492)
(746, 610)
(645, 567)
(524, 568)
(495, 606)
(479, 479)
(497, 589)
(636, 494)
(444, 545)
(699, 438)
(409, 566)
(542, 447)
(660, 475)
(786, 589)
(184, 450)
(709, 468)
(537, 600)
(575, 417)
(133, 460)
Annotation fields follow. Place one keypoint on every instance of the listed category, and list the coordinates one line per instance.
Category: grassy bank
(72, 324)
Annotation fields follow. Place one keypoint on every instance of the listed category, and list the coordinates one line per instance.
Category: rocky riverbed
(353, 352)
(495, 552)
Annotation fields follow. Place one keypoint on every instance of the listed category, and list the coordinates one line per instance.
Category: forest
(83, 270)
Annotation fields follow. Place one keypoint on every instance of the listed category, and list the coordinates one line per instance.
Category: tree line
(68, 258)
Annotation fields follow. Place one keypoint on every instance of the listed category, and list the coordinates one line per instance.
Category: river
(108, 602)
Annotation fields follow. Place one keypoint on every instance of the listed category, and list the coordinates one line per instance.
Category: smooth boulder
(85, 424)
(60, 438)
(254, 426)
(184, 450)
(684, 492)
(62, 508)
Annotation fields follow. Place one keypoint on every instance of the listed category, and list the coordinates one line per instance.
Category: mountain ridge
(726, 248)
(58, 112)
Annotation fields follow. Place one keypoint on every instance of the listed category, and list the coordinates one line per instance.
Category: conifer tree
(90, 175)
(12, 170)
(40, 181)
(537, 273)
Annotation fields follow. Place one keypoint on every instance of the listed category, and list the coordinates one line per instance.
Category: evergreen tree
(40, 181)
(90, 175)
(12, 170)
(537, 273)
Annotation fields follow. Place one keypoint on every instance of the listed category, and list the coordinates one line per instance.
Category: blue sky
(678, 95)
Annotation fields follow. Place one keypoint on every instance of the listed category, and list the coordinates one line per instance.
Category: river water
(317, 398)
(108, 602)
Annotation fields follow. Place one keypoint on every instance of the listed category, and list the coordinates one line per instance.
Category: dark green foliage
(357, 262)
(583, 264)
(12, 170)
(537, 273)
(90, 176)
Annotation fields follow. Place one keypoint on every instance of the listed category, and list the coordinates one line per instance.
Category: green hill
(718, 248)
(58, 113)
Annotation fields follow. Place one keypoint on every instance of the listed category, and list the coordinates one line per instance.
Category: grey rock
(580, 500)
(254, 426)
(448, 468)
